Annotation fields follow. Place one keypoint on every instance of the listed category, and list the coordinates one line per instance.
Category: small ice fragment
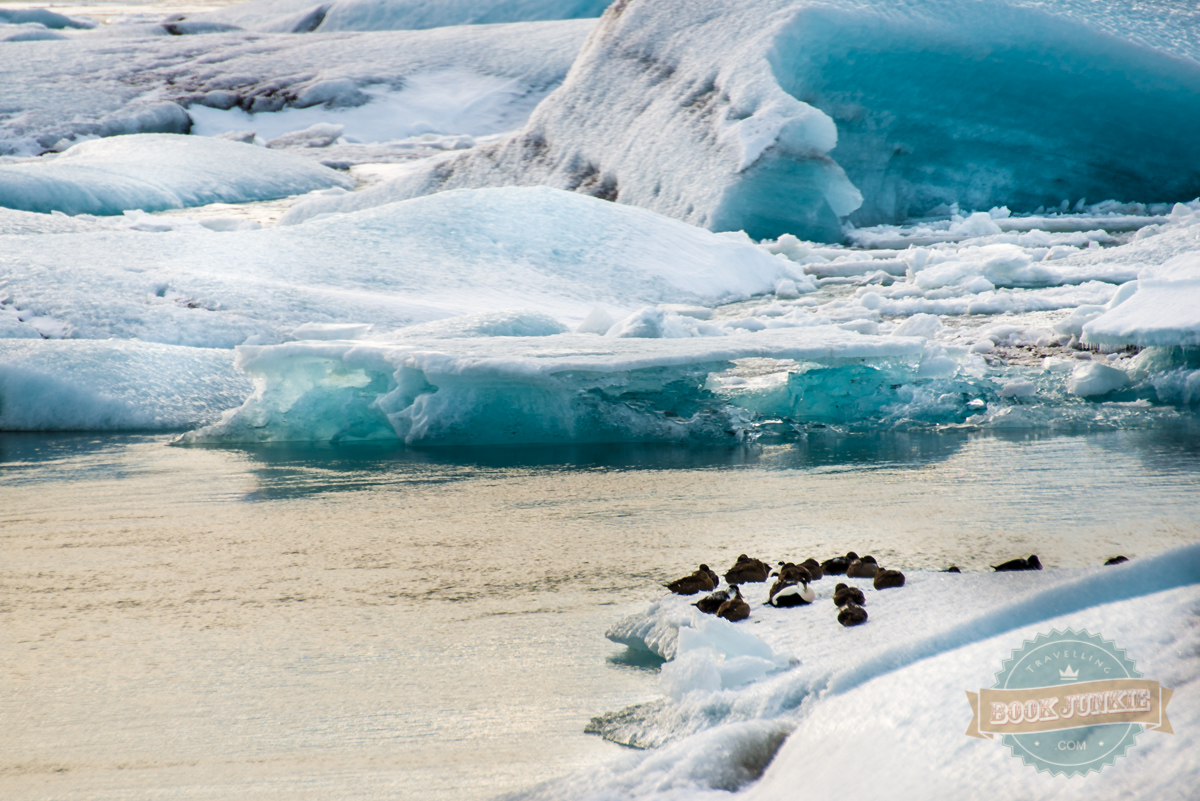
(1017, 389)
(785, 289)
(983, 346)
(919, 325)
(598, 321)
(1095, 378)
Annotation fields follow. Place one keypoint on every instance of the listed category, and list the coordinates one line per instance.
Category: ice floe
(152, 172)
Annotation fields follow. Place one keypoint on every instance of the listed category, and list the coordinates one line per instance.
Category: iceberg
(1163, 311)
(306, 16)
(472, 252)
(136, 79)
(113, 385)
(791, 117)
(153, 172)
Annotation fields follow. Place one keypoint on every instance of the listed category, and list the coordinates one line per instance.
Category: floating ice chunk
(303, 16)
(44, 17)
(157, 171)
(89, 385)
(539, 250)
(1017, 389)
(598, 321)
(326, 331)
(1072, 324)
(1164, 310)
(1093, 379)
(321, 134)
(919, 325)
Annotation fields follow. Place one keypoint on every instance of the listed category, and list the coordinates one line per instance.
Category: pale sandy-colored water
(222, 624)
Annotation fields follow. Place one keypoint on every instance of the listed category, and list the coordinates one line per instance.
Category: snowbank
(466, 252)
(305, 16)
(788, 116)
(113, 385)
(153, 172)
(874, 711)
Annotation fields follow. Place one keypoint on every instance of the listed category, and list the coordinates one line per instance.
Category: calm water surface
(371, 623)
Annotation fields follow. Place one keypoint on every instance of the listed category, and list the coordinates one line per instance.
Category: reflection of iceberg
(786, 116)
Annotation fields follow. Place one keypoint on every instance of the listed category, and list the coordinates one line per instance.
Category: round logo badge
(1069, 702)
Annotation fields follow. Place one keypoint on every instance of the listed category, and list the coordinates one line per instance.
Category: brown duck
(852, 615)
(709, 604)
(838, 564)
(814, 568)
(862, 568)
(700, 581)
(888, 578)
(746, 570)
(735, 608)
(843, 595)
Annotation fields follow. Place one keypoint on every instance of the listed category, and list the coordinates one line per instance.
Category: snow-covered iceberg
(113, 385)
(143, 81)
(307, 16)
(153, 172)
(457, 253)
(789, 116)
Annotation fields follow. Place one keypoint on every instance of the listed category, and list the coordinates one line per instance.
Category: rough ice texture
(137, 79)
(507, 390)
(88, 385)
(786, 116)
(305, 16)
(464, 252)
(893, 690)
(153, 172)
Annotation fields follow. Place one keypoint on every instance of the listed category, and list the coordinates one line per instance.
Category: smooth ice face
(303, 16)
(788, 117)
(153, 172)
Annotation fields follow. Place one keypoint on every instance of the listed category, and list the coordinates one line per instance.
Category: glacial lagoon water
(381, 623)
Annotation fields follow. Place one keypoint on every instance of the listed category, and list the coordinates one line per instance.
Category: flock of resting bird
(792, 580)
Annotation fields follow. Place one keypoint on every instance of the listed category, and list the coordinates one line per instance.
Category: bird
(888, 578)
(838, 564)
(1117, 560)
(793, 572)
(1032, 563)
(862, 568)
(734, 609)
(790, 593)
(852, 615)
(709, 604)
(700, 581)
(843, 594)
(814, 568)
(746, 570)
(952, 569)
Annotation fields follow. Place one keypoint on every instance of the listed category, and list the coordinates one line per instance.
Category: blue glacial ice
(791, 117)
(153, 172)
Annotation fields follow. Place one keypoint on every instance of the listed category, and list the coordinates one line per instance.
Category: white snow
(878, 711)
(1165, 309)
(478, 251)
(297, 16)
(153, 172)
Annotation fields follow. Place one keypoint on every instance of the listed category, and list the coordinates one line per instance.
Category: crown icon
(1068, 674)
